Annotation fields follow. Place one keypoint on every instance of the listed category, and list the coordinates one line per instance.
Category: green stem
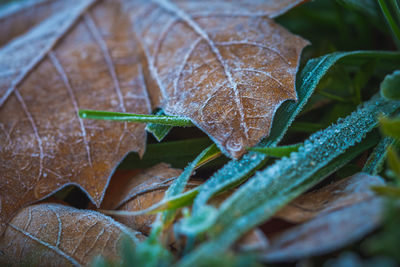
(141, 118)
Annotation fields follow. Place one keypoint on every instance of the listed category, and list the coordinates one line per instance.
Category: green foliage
(277, 151)
(390, 127)
(368, 7)
(390, 87)
(387, 241)
(275, 186)
(236, 171)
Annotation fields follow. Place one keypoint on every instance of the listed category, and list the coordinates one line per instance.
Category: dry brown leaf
(44, 145)
(141, 192)
(124, 188)
(335, 223)
(16, 17)
(223, 64)
(334, 196)
(57, 235)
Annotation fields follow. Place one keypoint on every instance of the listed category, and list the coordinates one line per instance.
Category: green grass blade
(377, 158)
(393, 160)
(141, 118)
(270, 189)
(277, 151)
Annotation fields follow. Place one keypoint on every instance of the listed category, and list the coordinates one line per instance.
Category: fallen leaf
(333, 196)
(124, 188)
(57, 235)
(223, 64)
(335, 222)
(141, 192)
(82, 57)
(16, 16)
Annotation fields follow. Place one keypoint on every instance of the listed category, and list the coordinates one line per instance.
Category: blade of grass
(141, 118)
(376, 159)
(277, 151)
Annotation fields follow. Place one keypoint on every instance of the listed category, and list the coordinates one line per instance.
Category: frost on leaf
(44, 145)
(343, 193)
(57, 235)
(16, 16)
(227, 69)
(339, 214)
(139, 192)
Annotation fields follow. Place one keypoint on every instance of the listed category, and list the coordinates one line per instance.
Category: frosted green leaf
(375, 161)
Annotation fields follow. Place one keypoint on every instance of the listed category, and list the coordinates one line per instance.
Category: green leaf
(390, 127)
(388, 191)
(212, 153)
(142, 118)
(159, 131)
(270, 189)
(393, 162)
(390, 87)
(375, 161)
(277, 151)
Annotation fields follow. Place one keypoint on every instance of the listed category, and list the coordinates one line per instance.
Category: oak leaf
(224, 64)
(81, 57)
(57, 235)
